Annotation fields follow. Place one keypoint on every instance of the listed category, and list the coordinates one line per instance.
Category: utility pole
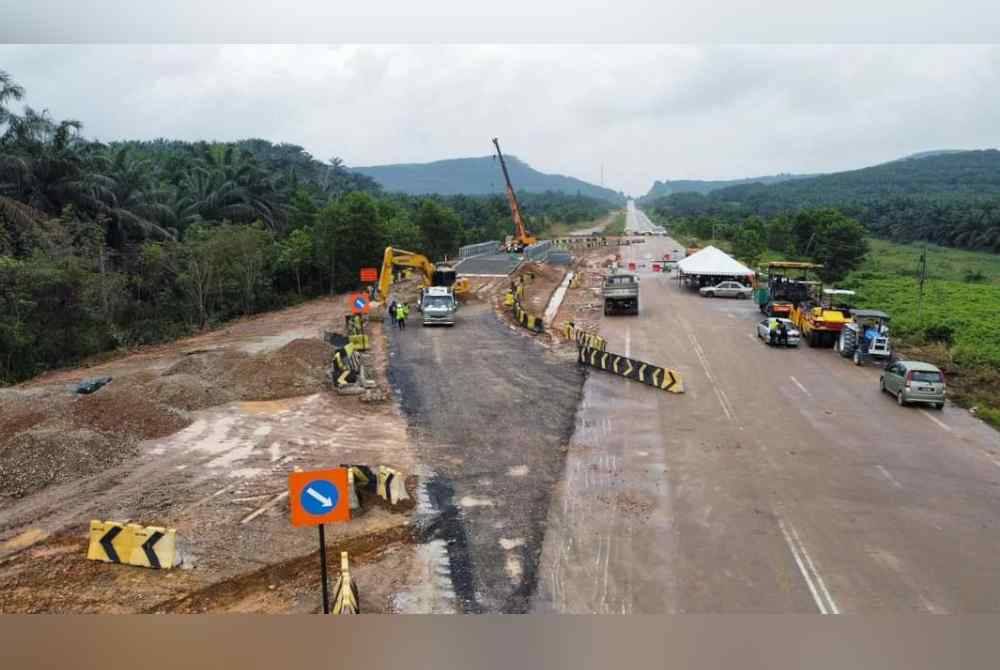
(922, 277)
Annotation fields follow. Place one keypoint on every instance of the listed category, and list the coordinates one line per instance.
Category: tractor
(865, 337)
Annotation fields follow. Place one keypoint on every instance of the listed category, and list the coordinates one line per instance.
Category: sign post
(317, 498)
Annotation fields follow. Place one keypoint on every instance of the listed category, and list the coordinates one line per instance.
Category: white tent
(715, 262)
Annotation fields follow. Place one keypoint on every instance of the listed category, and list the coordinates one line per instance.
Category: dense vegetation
(105, 246)
(670, 186)
(950, 199)
(479, 176)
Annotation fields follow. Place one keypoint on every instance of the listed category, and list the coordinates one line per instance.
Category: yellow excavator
(521, 238)
(434, 275)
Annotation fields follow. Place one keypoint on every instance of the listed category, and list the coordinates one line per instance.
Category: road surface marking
(628, 343)
(889, 477)
(803, 388)
(718, 394)
(730, 315)
(936, 420)
(821, 596)
(751, 336)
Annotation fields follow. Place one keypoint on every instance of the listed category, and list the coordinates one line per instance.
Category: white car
(726, 289)
(764, 331)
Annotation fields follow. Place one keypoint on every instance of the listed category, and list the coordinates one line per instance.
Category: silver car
(726, 289)
(764, 331)
(913, 381)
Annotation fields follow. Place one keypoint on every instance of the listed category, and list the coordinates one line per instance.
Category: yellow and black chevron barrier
(651, 375)
(132, 544)
(345, 592)
(584, 338)
(391, 485)
(346, 365)
(529, 321)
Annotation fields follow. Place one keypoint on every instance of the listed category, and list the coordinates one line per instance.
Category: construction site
(587, 433)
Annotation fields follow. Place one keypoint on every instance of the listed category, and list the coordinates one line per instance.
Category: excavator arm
(521, 234)
(433, 276)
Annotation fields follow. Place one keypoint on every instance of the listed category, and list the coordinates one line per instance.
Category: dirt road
(781, 481)
(490, 412)
(221, 481)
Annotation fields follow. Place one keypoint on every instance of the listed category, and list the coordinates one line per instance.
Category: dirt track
(219, 480)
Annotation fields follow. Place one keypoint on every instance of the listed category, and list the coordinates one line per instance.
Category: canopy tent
(710, 266)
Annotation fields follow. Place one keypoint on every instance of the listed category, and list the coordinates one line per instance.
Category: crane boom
(521, 235)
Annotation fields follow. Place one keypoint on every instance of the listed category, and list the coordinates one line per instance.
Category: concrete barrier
(132, 544)
(664, 379)
(480, 249)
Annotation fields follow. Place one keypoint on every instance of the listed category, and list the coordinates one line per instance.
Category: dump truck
(621, 294)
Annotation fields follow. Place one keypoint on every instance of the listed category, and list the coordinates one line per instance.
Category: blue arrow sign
(359, 302)
(319, 497)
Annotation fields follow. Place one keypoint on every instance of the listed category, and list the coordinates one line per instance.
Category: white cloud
(645, 112)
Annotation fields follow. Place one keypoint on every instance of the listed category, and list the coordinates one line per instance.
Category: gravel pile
(46, 455)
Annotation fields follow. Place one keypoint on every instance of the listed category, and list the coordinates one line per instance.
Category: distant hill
(928, 154)
(478, 176)
(947, 197)
(662, 188)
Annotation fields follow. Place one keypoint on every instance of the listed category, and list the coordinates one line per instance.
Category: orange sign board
(319, 497)
(359, 303)
(369, 274)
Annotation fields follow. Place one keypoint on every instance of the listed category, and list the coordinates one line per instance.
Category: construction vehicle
(820, 319)
(521, 238)
(434, 275)
(438, 306)
(785, 285)
(621, 294)
(865, 337)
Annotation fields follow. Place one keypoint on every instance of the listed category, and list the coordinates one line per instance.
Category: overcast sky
(644, 112)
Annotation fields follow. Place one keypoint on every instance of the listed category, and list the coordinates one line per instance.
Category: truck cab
(621, 294)
(438, 306)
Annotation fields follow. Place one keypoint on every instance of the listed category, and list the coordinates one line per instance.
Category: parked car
(726, 289)
(764, 331)
(914, 381)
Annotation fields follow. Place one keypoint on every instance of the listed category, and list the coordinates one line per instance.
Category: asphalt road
(490, 265)
(781, 481)
(636, 220)
(490, 412)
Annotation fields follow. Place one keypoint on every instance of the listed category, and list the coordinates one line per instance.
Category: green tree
(295, 254)
(748, 246)
(441, 229)
(841, 247)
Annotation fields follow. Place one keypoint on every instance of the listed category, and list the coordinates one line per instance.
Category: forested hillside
(952, 199)
(478, 176)
(671, 186)
(105, 246)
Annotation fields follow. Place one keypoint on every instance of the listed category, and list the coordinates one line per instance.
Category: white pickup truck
(438, 306)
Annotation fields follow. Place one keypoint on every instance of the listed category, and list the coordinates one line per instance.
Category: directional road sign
(319, 497)
(359, 303)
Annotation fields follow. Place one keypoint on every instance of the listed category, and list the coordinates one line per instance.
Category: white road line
(801, 387)
(936, 420)
(819, 578)
(888, 476)
(722, 402)
(628, 343)
(802, 567)
(751, 336)
(821, 596)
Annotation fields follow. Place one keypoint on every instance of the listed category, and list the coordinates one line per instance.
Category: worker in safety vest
(773, 331)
